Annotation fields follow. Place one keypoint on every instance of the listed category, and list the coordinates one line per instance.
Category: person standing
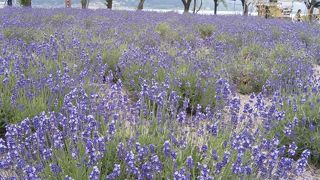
(68, 3)
(298, 16)
(9, 2)
(267, 15)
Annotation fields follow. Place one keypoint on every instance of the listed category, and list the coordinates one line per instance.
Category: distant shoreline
(99, 5)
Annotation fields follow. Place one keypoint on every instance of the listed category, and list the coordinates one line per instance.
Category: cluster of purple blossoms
(137, 96)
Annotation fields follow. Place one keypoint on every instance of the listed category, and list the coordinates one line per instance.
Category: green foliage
(280, 51)
(88, 23)
(276, 32)
(60, 19)
(25, 107)
(254, 65)
(25, 2)
(163, 29)
(306, 39)
(198, 90)
(28, 35)
(303, 112)
(249, 72)
(5, 117)
(166, 32)
(233, 40)
(149, 131)
(111, 57)
(206, 30)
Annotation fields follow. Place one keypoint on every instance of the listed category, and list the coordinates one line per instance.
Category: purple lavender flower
(112, 128)
(30, 172)
(186, 104)
(302, 163)
(237, 167)
(181, 117)
(58, 140)
(47, 153)
(152, 148)
(226, 158)
(146, 170)
(94, 175)
(121, 152)
(284, 167)
(174, 155)
(248, 170)
(219, 167)
(60, 68)
(214, 155)
(160, 98)
(292, 149)
(204, 149)
(55, 169)
(213, 129)
(157, 166)
(189, 162)
(130, 162)
(3, 146)
(115, 173)
(204, 172)
(166, 149)
(180, 175)
(68, 178)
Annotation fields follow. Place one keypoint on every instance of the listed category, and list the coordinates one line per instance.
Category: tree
(245, 7)
(195, 6)
(26, 3)
(186, 4)
(84, 4)
(216, 4)
(311, 4)
(109, 4)
(140, 6)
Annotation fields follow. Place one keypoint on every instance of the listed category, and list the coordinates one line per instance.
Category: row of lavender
(116, 95)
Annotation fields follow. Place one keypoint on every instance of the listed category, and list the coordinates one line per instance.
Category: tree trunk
(84, 4)
(186, 10)
(215, 6)
(194, 6)
(186, 4)
(310, 13)
(245, 10)
(199, 6)
(109, 4)
(140, 6)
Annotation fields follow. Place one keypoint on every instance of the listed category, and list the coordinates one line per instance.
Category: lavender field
(100, 94)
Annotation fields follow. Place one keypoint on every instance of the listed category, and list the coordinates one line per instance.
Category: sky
(231, 5)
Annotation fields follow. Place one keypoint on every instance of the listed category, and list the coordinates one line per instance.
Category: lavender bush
(138, 95)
